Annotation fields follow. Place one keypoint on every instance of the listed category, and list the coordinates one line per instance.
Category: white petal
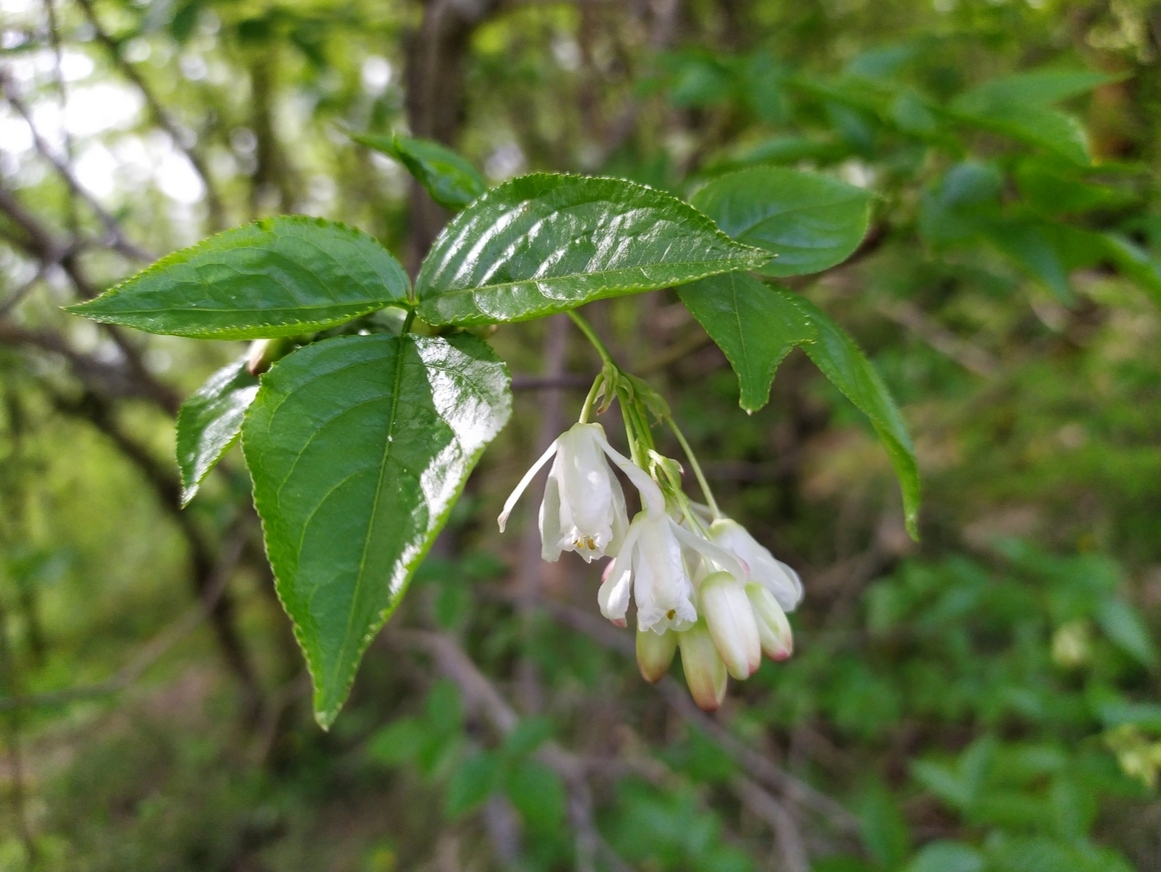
(613, 595)
(714, 552)
(651, 496)
(550, 521)
(510, 503)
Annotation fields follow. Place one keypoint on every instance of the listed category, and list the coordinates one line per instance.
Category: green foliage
(546, 243)
(451, 180)
(279, 277)
(809, 221)
(210, 422)
(358, 448)
(755, 326)
(841, 361)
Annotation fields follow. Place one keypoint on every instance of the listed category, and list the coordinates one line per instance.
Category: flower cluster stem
(698, 474)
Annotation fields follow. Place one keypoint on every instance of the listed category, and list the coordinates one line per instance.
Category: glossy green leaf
(547, 243)
(449, 178)
(358, 447)
(210, 421)
(841, 361)
(277, 277)
(809, 220)
(753, 324)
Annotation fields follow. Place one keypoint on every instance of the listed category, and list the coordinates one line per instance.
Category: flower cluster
(701, 583)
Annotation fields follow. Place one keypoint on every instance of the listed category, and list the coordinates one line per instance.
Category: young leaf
(1038, 126)
(546, 243)
(450, 179)
(358, 447)
(753, 324)
(841, 361)
(277, 277)
(210, 421)
(810, 221)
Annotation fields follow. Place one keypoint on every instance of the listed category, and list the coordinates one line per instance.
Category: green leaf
(1124, 626)
(1035, 88)
(882, 826)
(963, 203)
(449, 178)
(547, 243)
(472, 783)
(1033, 246)
(210, 422)
(277, 277)
(528, 735)
(1135, 262)
(358, 447)
(946, 857)
(755, 326)
(400, 742)
(538, 794)
(840, 359)
(809, 220)
(1038, 126)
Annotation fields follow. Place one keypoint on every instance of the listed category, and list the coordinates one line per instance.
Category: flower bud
(654, 653)
(705, 673)
(773, 627)
(730, 619)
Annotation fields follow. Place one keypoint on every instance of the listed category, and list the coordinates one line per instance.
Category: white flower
(651, 567)
(584, 507)
(759, 564)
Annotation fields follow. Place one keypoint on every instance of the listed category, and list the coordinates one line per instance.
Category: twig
(781, 821)
(481, 695)
(160, 116)
(116, 239)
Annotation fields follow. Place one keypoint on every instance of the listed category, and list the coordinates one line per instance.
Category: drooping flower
(584, 507)
(651, 568)
(759, 564)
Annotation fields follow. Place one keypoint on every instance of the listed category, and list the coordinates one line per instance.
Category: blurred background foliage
(984, 701)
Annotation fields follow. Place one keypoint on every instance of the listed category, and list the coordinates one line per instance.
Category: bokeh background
(983, 701)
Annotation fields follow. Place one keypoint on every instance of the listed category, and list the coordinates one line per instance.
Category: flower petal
(510, 503)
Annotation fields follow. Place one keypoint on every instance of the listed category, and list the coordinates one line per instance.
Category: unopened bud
(773, 627)
(731, 624)
(654, 653)
(705, 673)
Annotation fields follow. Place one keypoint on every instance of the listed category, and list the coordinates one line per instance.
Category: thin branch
(483, 696)
(115, 236)
(160, 116)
